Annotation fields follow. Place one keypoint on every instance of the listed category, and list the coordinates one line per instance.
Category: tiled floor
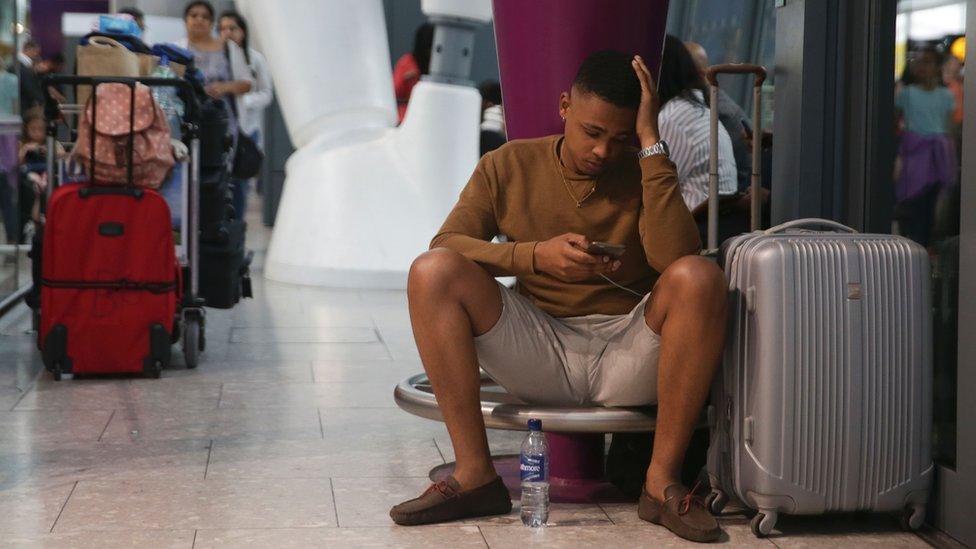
(285, 436)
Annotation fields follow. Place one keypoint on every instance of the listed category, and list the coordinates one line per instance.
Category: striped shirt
(684, 125)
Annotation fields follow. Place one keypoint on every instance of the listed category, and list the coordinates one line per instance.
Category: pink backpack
(152, 154)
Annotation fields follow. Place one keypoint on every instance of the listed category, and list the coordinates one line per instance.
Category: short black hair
(610, 76)
(206, 5)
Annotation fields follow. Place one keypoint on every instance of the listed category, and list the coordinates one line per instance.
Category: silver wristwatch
(661, 147)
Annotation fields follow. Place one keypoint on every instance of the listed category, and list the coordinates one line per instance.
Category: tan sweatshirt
(517, 191)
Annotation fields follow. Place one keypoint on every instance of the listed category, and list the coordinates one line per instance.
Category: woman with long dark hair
(233, 28)
(683, 123)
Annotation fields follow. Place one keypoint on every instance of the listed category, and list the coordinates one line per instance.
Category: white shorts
(603, 360)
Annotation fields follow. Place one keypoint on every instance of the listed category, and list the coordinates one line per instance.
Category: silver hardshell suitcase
(824, 398)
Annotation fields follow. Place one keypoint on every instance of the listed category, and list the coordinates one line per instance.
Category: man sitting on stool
(582, 329)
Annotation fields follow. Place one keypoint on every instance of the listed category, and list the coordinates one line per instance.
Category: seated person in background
(684, 126)
(581, 329)
(32, 157)
(492, 116)
(732, 117)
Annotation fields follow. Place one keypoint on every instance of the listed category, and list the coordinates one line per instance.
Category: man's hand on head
(563, 257)
(646, 127)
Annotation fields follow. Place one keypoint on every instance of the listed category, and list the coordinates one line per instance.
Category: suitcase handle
(711, 74)
(101, 191)
(809, 223)
(755, 215)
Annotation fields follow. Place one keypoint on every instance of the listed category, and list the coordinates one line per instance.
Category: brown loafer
(444, 501)
(682, 512)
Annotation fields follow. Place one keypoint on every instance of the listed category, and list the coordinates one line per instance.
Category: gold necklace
(578, 201)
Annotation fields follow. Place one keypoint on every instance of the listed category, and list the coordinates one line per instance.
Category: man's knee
(443, 271)
(695, 278)
(435, 268)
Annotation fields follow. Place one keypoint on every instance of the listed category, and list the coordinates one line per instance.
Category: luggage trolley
(190, 321)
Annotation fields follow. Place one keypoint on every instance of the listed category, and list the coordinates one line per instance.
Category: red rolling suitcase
(110, 282)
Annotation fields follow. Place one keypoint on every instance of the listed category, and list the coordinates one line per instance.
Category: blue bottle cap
(535, 424)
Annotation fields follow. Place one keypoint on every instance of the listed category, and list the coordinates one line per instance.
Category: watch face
(664, 147)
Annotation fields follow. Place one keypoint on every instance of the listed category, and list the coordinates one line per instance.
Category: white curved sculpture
(361, 198)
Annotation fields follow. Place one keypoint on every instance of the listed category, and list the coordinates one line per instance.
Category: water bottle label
(532, 468)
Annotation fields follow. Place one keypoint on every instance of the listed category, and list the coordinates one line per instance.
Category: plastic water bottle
(534, 468)
(166, 96)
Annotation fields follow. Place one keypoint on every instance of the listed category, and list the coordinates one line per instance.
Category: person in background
(32, 157)
(8, 91)
(54, 64)
(8, 155)
(492, 116)
(227, 75)
(411, 66)
(732, 117)
(952, 78)
(684, 125)
(140, 18)
(233, 28)
(925, 154)
(31, 93)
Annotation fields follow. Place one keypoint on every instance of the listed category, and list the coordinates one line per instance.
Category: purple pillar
(45, 20)
(541, 44)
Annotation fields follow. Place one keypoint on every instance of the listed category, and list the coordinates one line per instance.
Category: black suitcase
(215, 139)
(216, 204)
(225, 268)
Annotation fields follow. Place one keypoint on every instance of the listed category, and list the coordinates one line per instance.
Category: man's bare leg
(688, 310)
(452, 300)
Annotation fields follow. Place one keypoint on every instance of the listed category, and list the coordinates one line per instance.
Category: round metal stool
(575, 435)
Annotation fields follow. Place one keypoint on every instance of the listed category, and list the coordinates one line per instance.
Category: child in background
(33, 167)
(926, 151)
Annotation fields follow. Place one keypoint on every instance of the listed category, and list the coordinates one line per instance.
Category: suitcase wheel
(763, 523)
(192, 341)
(716, 501)
(155, 370)
(912, 517)
(159, 349)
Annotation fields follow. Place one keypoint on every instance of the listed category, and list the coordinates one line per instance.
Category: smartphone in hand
(615, 251)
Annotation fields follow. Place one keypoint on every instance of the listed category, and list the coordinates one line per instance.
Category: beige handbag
(106, 57)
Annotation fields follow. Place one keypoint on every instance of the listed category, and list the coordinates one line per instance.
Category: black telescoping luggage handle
(711, 75)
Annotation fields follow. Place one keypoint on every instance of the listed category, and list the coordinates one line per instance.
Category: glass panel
(13, 262)
(929, 58)
(733, 31)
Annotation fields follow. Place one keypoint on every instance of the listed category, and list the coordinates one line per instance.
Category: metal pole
(713, 170)
(757, 136)
(191, 224)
